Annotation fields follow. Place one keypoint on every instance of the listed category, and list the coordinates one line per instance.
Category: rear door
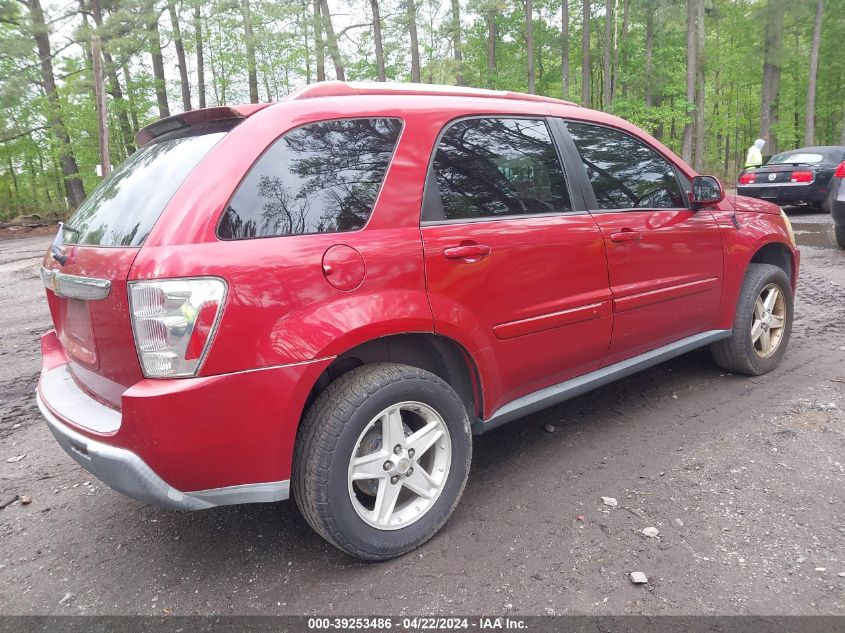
(86, 281)
(514, 270)
(664, 260)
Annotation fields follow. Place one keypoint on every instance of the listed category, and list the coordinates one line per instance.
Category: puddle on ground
(813, 234)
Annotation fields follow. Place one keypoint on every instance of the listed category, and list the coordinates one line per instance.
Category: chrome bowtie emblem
(772, 176)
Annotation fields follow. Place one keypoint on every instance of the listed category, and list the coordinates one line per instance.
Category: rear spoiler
(195, 117)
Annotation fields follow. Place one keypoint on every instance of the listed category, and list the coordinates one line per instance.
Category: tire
(839, 232)
(346, 420)
(740, 353)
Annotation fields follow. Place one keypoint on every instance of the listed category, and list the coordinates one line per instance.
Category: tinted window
(496, 167)
(624, 171)
(319, 178)
(123, 208)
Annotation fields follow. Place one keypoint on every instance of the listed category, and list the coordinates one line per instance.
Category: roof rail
(351, 88)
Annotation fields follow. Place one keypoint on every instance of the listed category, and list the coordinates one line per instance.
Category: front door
(664, 259)
(513, 272)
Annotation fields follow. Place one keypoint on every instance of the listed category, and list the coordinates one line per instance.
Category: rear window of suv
(125, 206)
(322, 177)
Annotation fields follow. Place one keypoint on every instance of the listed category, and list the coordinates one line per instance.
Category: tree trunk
(70, 170)
(130, 97)
(456, 42)
(180, 55)
(692, 75)
(772, 53)
(810, 118)
(564, 51)
(607, 75)
(382, 76)
(585, 56)
(415, 46)
(126, 128)
(332, 41)
(100, 106)
(318, 42)
(200, 56)
(623, 44)
(649, 54)
(251, 66)
(157, 59)
(529, 45)
(698, 152)
(491, 48)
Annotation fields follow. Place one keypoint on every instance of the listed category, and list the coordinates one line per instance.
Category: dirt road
(743, 478)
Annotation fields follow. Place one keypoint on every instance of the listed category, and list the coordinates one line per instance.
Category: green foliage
(31, 180)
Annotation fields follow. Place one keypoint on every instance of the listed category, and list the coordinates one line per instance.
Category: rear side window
(625, 172)
(489, 167)
(319, 178)
(122, 210)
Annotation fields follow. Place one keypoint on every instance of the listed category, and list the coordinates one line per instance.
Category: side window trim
(432, 204)
(590, 195)
(275, 140)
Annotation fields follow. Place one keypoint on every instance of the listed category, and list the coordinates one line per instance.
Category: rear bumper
(183, 444)
(785, 193)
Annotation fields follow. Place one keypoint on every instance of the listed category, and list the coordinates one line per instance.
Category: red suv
(329, 296)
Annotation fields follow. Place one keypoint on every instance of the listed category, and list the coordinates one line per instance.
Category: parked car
(329, 296)
(836, 202)
(799, 176)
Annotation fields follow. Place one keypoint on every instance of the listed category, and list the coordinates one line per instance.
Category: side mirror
(706, 190)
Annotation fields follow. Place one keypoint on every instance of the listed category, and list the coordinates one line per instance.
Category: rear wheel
(381, 460)
(762, 323)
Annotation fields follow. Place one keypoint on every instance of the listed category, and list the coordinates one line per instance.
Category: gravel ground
(743, 479)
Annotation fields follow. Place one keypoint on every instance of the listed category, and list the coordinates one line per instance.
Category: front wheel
(762, 323)
(839, 232)
(381, 460)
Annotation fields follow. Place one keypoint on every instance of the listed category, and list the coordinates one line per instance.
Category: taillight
(802, 176)
(173, 321)
(840, 171)
(747, 179)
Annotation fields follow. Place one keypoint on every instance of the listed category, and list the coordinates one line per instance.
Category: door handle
(626, 236)
(467, 251)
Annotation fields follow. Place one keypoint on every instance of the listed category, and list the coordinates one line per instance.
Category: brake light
(747, 179)
(173, 321)
(802, 176)
(840, 171)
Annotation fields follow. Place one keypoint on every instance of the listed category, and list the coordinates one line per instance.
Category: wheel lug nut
(411, 452)
(410, 472)
(397, 449)
(388, 465)
(395, 479)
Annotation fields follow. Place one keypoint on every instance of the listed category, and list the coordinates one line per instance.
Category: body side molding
(581, 384)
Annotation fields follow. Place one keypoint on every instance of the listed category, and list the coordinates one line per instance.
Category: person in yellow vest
(755, 155)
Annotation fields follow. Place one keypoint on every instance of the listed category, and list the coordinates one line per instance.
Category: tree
(772, 52)
(529, 45)
(377, 37)
(698, 150)
(73, 184)
(251, 66)
(415, 47)
(649, 53)
(492, 37)
(456, 42)
(810, 115)
(692, 75)
(564, 44)
(200, 56)
(332, 41)
(318, 42)
(607, 76)
(180, 55)
(157, 58)
(585, 56)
